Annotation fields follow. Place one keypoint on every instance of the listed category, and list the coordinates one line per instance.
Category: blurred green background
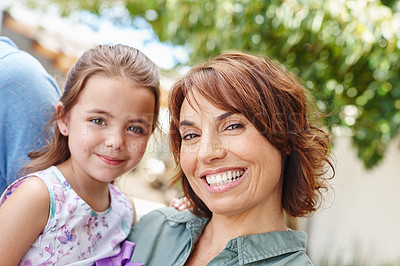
(347, 52)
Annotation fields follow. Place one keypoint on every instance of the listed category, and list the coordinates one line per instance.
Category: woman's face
(230, 166)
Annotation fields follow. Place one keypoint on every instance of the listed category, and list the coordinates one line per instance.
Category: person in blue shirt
(28, 95)
(248, 152)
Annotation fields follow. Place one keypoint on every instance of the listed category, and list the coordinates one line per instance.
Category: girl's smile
(107, 129)
(109, 160)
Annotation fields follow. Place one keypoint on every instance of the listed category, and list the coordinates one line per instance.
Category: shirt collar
(250, 248)
(191, 220)
(255, 247)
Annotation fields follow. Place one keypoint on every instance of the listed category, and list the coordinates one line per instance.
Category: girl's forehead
(116, 96)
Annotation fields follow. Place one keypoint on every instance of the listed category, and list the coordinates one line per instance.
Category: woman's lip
(220, 170)
(109, 160)
(227, 186)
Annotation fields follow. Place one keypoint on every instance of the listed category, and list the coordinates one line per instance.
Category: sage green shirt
(166, 237)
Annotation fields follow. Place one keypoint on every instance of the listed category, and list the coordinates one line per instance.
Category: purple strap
(122, 259)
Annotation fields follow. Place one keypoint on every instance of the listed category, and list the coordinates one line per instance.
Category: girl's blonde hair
(117, 62)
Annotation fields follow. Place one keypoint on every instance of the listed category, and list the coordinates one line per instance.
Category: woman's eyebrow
(186, 123)
(219, 118)
(224, 116)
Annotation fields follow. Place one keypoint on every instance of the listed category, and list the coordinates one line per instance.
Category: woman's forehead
(200, 108)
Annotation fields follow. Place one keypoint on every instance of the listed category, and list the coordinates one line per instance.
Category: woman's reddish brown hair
(279, 107)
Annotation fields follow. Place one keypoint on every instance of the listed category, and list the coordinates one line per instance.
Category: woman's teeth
(223, 178)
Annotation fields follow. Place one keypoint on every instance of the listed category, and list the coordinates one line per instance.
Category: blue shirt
(28, 96)
(167, 236)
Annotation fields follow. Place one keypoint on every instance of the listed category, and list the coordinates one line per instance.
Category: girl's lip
(109, 160)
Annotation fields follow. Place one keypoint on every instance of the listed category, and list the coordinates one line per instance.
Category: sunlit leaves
(346, 51)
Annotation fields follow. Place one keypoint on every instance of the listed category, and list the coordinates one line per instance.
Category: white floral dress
(74, 233)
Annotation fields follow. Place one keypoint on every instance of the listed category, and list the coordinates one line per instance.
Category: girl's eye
(98, 121)
(189, 136)
(136, 130)
(234, 126)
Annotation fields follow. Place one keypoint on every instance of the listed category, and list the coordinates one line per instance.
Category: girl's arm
(23, 216)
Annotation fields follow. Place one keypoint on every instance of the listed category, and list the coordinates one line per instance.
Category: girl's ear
(62, 119)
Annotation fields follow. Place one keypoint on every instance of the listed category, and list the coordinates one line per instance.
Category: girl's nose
(116, 140)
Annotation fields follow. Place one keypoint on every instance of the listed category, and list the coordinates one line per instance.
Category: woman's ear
(62, 119)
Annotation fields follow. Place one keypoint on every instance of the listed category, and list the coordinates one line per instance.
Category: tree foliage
(346, 51)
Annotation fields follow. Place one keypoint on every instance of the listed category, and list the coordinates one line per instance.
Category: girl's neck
(95, 193)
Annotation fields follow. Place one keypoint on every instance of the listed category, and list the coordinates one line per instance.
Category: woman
(241, 132)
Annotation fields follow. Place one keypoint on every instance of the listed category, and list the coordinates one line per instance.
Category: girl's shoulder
(24, 215)
(27, 187)
(36, 183)
(120, 201)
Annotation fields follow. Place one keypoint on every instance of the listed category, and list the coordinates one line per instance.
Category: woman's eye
(136, 130)
(98, 121)
(189, 136)
(234, 126)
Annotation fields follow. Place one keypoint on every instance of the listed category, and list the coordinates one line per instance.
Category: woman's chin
(225, 208)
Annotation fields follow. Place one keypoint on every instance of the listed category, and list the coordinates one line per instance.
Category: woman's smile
(222, 181)
(223, 178)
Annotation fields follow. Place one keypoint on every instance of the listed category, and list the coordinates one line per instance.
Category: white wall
(363, 222)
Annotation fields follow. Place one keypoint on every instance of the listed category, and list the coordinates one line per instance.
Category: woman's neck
(221, 229)
(229, 227)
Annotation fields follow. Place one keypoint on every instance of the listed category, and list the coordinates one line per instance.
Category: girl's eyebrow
(107, 114)
(219, 118)
(101, 112)
(141, 121)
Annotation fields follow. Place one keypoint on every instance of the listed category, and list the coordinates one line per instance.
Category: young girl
(67, 211)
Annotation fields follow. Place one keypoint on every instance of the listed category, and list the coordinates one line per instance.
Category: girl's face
(108, 128)
(230, 166)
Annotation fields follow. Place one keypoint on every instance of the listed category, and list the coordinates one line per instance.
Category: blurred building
(359, 224)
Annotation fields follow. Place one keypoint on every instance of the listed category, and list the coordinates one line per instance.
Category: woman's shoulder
(173, 216)
(166, 220)
(278, 247)
(167, 215)
(162, 236)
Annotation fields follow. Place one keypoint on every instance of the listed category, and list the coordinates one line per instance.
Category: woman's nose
(211, 148)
